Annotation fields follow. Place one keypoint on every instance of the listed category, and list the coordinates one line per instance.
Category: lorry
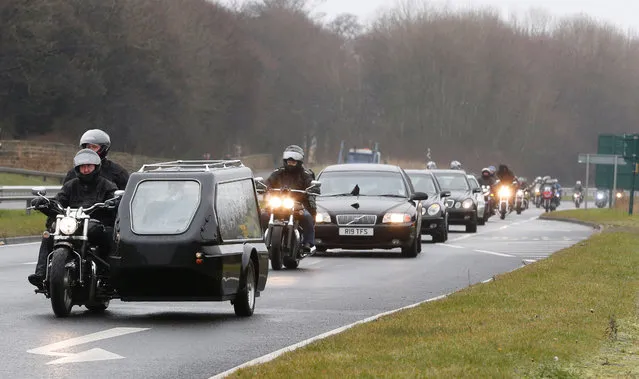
(362, 155)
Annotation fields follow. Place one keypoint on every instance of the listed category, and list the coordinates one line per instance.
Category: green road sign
(610, 144)
(631, 147)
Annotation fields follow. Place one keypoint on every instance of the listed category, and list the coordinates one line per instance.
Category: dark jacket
(110, 171)
(76, 193)
(299, 179)
(486, 180)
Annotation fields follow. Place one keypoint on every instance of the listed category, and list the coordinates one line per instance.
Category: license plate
(362, 232)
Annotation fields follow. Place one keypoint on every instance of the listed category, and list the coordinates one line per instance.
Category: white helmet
(455, 165)
(293, 152)
(431, 165)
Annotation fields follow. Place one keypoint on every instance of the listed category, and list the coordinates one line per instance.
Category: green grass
(22, 180)
(579, 305)
(16, 223)
(603, 216)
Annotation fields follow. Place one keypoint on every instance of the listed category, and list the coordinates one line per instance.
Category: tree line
(179, 78)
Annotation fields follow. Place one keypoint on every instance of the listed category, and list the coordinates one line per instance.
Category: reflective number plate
(356, 232)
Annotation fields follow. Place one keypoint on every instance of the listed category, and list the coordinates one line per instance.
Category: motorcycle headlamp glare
(275, 202)
(68, 225)
(288, 203)
(504, 191)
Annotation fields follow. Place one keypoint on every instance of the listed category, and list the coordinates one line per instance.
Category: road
(198, 340)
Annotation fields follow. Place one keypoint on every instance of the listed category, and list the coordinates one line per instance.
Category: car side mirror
(38, 191)
(477, 190)
(419, 196)
(445, 194)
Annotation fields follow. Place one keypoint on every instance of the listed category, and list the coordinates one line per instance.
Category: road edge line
(271, 356)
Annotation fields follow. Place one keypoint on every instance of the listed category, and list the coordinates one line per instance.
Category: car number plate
(356, 232)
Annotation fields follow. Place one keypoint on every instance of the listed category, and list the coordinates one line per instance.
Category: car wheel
(244, 303)
(472, 227)
(412, 250)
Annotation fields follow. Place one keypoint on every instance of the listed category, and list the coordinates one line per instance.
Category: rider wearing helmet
(87, 188)
(431, 165)
(455, 165)
(486, 178)
(100, 142)
(578, 187)
(294, 176)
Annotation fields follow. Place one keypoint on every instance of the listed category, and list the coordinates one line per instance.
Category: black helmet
(83, 157)
(96, 137)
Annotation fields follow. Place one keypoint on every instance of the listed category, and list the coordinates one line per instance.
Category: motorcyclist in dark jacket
(486, 178)
(293, 175)
(88, 188)
(579, 188)
(100, 142)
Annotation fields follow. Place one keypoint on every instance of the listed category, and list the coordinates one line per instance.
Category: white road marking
(495, 253)
(453, 246)
(95, 354)
(275, 354)
(30, 263)
(18, 244)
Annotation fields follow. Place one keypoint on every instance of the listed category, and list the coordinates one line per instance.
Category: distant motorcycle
(489, 197)
(577, 197)
(601, 199)
(505, 195)
(520, 201)
(547, 198)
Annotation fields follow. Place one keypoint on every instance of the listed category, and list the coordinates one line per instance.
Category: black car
(190, 231)
(462, 204)
(368, 206)
(434, 214)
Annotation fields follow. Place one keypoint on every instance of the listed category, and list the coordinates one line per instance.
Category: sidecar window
(164, 206)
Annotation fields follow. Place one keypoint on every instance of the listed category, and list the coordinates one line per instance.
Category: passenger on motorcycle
(86, 189)
(293, 175)
(486, 178)
(430, 165)
(100, 142)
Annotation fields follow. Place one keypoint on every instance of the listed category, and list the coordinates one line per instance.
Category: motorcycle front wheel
(60, 283)
(275, 252)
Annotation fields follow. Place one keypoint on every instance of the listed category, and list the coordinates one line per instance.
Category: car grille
(356, 219)
(449, 203)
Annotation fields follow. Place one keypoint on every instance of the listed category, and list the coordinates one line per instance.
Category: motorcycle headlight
(619, 195)
(434, 209)
(600, 196)
(504, 191)
(322, 218)
(468, 203)
(520, 193)
(396, 218)
(275, 202)
(68, 225)
(575, 195)
(288, 203)
(537, 191)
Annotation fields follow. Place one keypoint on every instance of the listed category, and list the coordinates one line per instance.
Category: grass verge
(23, 180)
(574, 314)
(16, 223)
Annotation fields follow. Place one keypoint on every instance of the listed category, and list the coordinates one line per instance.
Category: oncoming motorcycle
(505, 195)
(74, 271)
(520, 201)
(547, 198)
(283, 236)
(577, 198)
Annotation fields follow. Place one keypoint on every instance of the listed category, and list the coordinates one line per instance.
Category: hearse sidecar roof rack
(192, 165)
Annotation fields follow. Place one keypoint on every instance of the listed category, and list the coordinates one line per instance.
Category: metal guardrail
(58, 177)
(23, 193)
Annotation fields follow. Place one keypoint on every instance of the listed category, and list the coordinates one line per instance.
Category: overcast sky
(622, 13)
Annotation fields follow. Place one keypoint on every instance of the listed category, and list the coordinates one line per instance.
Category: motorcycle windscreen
(164, 206)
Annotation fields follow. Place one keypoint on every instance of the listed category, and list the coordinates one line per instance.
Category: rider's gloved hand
(39, 202)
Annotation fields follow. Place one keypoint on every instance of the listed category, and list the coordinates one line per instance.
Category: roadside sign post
(630, 150)
(613, 198)
(600, 159)
(587, 179)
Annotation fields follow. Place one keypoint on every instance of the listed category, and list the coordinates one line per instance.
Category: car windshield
(452, 181)
(359, 158)
(164, 206)
(423, 183)
(369, 183)
(473, 182)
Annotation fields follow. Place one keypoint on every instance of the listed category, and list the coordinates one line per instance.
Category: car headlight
(467, 204)
(434, 209)
(275, 202)
(68, 225)
(322, 218)
(396, 218)
(288, 203)
(504, 191)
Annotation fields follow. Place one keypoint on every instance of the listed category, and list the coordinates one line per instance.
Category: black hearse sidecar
(190, 231)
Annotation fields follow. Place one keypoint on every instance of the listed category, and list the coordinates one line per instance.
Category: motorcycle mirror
(259, 185)
(315, 184)
(119, 193)
(38, 191)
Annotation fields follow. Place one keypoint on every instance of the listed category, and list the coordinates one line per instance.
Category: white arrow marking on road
(88, 355)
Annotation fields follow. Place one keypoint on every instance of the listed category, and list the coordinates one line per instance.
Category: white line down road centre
(95, 354)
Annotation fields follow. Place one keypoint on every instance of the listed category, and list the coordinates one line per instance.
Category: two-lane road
(197, 340)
